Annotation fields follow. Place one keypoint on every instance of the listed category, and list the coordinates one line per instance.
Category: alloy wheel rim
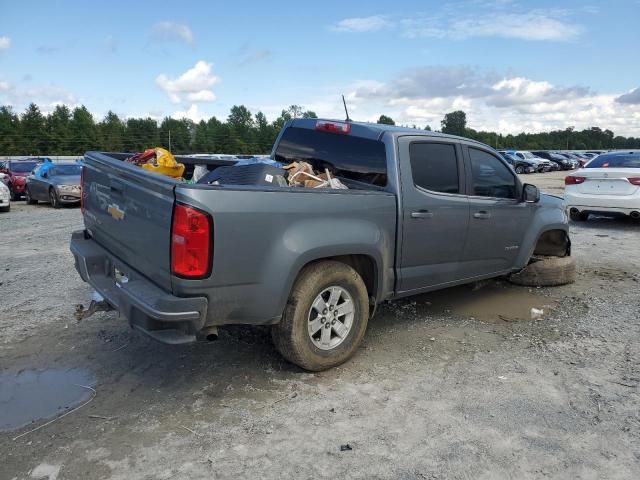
(330, 318)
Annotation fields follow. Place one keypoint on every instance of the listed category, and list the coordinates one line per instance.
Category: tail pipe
(209, 333)
(635, 214)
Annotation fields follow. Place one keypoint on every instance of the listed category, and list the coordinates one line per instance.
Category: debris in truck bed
(158, 160)
(301, 174)
(251, 174)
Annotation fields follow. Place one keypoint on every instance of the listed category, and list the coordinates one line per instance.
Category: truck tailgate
(128, 212)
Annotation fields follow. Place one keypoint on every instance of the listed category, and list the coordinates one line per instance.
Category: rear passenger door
(435, 212)
(497, 217)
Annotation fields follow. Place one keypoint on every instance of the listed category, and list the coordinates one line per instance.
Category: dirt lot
(455, 384)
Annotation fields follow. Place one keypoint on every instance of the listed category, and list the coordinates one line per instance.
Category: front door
(498, 219)
(435, 213)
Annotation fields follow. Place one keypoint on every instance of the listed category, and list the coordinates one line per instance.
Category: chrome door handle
(422, 214)
(482, 215)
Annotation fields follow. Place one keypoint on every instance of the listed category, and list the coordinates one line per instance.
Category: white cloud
(502, 103)
(172, 31)
(473, 19)
(192, 113)
(202, 96)
(5, 43)
(4, 86)
(196, 83)
(632, 97)
(361, 24)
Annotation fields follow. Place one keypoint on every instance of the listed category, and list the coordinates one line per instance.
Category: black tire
(53, 198)
(546, 272)
(6, 208)
(28, 198)
(578, 216)
(291, 336)
(519, 170)
(14, 196)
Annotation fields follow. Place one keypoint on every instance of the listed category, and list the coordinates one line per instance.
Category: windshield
(615, 161)
(22, 167)
(528, 155)
(66, 170)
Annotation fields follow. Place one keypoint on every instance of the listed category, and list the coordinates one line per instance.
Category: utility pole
(169, 139)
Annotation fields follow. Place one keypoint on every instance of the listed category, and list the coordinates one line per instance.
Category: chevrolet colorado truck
(423, 211)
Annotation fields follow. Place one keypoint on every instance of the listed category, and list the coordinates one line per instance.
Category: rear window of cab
(347, 156)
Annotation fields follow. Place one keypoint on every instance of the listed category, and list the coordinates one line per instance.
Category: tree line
(67, 131)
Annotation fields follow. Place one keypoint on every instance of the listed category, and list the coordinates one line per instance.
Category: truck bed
(262, 235)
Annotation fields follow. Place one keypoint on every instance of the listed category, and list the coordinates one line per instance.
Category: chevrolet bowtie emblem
(115, 212)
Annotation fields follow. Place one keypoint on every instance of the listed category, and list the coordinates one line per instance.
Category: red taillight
(82, 190)
(573, 180)
(191, 246)
(333, 127)
(634, 180)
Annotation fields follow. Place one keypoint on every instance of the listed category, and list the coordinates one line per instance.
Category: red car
(17, 172)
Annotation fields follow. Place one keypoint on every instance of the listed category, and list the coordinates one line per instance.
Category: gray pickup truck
(423, 211)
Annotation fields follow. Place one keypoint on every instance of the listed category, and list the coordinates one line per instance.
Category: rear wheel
(325, 318)
(519, 169)
(28, 197)
(6, 208)
(53, 198)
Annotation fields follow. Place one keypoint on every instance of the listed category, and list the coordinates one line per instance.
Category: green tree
(428, 128)
(140, 134)
(454, 123)
(84, 132)
(33, 138)
(175, 135)
(309, 114)
(9, 131)
(111, 132)
(59, 131)
(384, 120)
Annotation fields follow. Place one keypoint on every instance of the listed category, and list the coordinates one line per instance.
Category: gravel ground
(453, 384)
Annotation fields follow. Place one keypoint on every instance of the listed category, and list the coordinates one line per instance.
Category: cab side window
(490, 177)
(434, 166)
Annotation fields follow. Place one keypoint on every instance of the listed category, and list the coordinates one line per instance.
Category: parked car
(563, 163)
(56, 183)
(610, 183)
(17, 172)
(5, 196)
(541, 164)
(180, 259)
(519, 165)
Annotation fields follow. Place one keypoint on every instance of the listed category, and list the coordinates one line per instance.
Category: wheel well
(553, 242)
(364, 265)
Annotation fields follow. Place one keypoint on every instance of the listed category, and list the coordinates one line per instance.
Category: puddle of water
(493, 302)
(30, 395)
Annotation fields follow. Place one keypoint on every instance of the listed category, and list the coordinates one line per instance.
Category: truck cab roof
(375, 131)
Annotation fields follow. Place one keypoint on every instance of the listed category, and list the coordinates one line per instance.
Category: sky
(512, 66)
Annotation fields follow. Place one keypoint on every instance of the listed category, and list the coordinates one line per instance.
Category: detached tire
(325, 318)
(546, 272)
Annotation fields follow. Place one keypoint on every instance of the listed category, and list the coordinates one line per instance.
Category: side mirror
(530, 193)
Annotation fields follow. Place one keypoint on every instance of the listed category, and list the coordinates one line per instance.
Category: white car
(5, 195)
(610, 183)
(542, 164)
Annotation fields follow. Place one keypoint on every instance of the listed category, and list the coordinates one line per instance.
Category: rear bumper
(624, 204)
(148, 308)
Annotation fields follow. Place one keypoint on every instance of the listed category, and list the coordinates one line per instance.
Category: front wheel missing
(546, 271)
